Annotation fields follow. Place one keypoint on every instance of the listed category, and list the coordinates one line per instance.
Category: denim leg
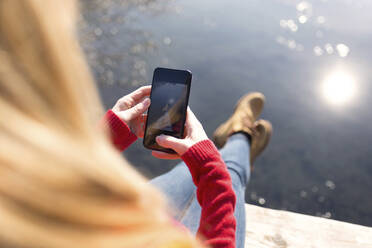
(178, 187)
(181, 191)
(236, 155)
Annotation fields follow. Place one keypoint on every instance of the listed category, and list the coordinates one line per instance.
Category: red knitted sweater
(209, 173)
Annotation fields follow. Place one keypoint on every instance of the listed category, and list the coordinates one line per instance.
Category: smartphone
(167, 112)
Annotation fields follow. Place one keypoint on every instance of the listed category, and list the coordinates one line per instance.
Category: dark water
(311, 59)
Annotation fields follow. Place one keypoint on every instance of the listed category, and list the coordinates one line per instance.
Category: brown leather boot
(260, 138)
(246, 112)
(243, 119)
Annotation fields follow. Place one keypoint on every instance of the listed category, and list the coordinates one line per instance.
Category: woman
(62, 184)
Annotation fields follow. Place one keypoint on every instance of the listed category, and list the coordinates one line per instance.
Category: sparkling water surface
(311, 59)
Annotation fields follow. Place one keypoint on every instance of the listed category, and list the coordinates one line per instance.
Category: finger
(143, 118)
(137, 110)
(167, 141)
(137, 127)
(142, 125)
(190, 120)
(140, 133)
(190, 116)
(140, 128)
(140, 93)
(163, 155)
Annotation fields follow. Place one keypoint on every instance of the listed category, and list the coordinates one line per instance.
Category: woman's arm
(214, 187)
(126, 119)
(214, 193)
(121, 136)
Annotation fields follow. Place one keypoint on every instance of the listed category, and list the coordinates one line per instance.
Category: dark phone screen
(166, 115)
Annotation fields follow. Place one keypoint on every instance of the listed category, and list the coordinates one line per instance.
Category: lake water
(311, 59)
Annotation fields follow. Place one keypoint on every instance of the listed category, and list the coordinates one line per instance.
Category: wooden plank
(281, 229)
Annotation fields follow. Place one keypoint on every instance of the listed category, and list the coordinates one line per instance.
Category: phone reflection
(166, 114)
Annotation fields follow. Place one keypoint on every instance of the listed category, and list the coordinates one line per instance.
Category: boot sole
(269, 132)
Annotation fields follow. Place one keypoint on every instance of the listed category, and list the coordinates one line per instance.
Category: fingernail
(146, 102)
(158, 138)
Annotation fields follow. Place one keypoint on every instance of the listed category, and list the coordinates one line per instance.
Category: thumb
(167, 141)
(138, 109)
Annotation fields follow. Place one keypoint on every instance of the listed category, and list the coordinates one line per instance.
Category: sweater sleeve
(214, 193)
(121, 136)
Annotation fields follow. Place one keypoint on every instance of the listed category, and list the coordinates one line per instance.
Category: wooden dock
(281, 229)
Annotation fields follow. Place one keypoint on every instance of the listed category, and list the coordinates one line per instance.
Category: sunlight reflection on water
(234, 44)
(306, 19)
(339, 87)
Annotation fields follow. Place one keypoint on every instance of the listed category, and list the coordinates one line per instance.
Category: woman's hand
(194, 133)
(130, 109)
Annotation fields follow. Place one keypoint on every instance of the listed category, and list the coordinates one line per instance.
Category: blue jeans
(180, 190)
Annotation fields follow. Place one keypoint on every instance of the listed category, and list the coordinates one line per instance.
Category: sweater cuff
(201, 152)
(121, 135)
(198, 155)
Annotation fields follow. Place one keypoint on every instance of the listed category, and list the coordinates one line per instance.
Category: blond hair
(61, 182)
